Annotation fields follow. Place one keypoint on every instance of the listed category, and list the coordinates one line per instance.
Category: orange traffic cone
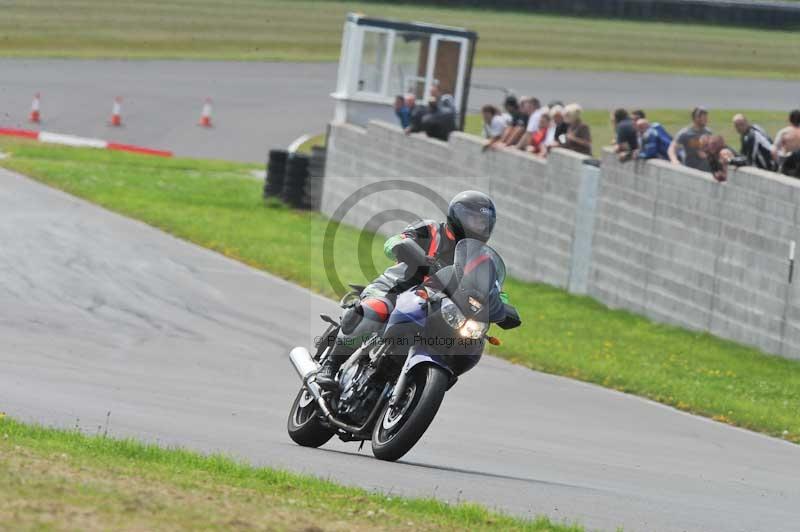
(205, 118)
(35, 116)
(116, 112)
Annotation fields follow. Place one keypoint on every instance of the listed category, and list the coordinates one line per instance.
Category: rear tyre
(400, 427)
(305, 426)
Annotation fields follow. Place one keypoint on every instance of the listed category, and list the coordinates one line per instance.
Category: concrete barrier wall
(536, 201)
(673, 244)
(663, 241)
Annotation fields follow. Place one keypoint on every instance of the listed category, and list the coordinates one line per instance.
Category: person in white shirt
(494, 125)
(533, 108)
(544, 134)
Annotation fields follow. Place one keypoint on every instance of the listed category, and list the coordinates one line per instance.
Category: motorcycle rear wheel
(399, 428)
(304, 425)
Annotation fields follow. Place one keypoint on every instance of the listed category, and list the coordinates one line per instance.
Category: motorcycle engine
(357, 391)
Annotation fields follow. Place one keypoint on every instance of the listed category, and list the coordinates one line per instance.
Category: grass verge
(217, 206)
(303, 30)
(63, 480)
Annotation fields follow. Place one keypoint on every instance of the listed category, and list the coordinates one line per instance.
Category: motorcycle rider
(471, 214)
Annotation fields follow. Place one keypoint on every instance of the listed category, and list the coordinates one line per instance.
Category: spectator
(440, 119)
(578, 137)
(533, 108)
(637, 115)
(516, 122)
(557, 116)
(402, 112)
(626, 141)
(655, 140)
(444, 101)
(756, 144)
(786, 151)
(685, 148)
(517, 130)
(493, 122)
(510, 106)
(718, 155)
(542, 136)
(493, 125)
(415, 114)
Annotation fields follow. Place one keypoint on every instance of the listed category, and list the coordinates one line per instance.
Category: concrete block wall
(673, 244)
(536, 200)
(663, 241)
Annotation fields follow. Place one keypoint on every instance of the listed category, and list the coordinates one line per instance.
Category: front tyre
(305, 426)
(400, 427)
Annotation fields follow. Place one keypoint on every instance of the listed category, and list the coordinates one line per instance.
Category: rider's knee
(366, 316)
(351, 318)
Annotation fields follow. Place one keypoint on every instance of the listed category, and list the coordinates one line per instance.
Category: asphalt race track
(100, 314)
(258, 106)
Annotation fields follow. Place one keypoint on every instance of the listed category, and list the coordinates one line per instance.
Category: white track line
(297, 143)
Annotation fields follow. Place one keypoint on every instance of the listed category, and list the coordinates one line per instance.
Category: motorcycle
(391, 387)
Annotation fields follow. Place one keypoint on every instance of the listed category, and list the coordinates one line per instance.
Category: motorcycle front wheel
(304, 425)
(400, 427)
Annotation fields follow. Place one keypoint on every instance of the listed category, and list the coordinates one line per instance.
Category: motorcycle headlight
(474, 329)
(452, 314)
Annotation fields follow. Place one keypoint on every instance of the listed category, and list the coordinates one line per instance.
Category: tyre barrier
(296, 178)
(294, 184)
(276, 172)
(316, 174)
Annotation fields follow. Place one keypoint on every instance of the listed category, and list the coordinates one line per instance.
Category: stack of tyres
(276, 173)
(316, 173)
(294, 186)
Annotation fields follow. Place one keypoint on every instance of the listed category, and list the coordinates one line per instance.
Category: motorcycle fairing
(409, 308)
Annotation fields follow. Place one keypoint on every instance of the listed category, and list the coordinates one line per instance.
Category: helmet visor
(477, 222)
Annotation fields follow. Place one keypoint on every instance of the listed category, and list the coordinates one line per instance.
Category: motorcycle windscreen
(479, 273)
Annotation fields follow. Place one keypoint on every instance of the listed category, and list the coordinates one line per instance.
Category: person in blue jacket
(402, 111)
(655, 140)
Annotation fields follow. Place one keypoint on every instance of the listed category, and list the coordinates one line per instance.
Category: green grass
(215, 205)
(64, 480)
(303, 30)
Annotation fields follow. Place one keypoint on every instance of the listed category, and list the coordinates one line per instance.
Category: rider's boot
(326, 376)
(358, 323)
(343, 347)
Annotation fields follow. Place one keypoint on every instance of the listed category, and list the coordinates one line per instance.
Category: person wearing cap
(686, 147)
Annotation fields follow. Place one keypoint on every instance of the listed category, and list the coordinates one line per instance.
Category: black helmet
(472, 215)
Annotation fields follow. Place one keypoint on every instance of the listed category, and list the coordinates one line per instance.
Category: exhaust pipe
(303, 364)
(306, 367)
